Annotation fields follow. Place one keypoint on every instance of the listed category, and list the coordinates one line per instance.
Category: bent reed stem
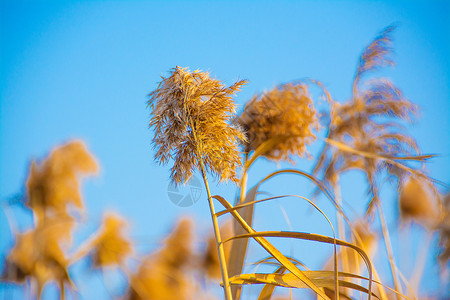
(221, 252)
(243, 186)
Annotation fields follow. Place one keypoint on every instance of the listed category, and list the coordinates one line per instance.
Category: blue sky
(82, 69)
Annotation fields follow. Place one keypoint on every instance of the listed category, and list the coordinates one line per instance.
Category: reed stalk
(221, 252)
(387, 243)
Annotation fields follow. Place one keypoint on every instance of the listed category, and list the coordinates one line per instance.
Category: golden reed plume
(190, 114)
(163, 275)
(286, 111)
(111, 246)
(54, 184)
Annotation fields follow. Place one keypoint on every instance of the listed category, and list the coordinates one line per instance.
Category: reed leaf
(278, 197)
(272, 250)
(311, 237)
(268, 289)
(291, 281)
(268, 261)
(239, 247)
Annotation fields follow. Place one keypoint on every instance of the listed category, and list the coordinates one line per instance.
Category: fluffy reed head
(190, 114)
(40, 253)
(54, 184)
(164, 275)
(285, 111)
(178, 245)
(111, 246)
(371, 122)
(156, 281)
(417, 203)
(377, 54)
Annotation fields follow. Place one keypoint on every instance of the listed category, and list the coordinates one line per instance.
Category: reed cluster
(196, 127)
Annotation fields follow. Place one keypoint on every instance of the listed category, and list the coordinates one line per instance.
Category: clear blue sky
(82, 69)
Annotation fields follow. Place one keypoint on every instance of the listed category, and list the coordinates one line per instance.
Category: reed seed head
(377, 54)
(417, 203)
(190, 116)
(40, 253)
(371, 123)
(285, 111)
(111, 246)
(54, 184)
(163, 275)
(178, 245)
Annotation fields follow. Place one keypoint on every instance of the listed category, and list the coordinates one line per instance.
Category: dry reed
(190, 113)
(285, 111)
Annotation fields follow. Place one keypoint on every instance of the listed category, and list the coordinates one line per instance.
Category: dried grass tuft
(54, 184)
(40, 253)
(286, 111)
(111, 246)
(163, 274)
(190, 114)
(417, 203)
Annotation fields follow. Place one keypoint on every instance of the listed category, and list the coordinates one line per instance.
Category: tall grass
(197, 129)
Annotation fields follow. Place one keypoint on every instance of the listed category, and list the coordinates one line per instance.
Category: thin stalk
(63, 291)
(39, 291)
(221, 252)
(381, 290)
(387, 243)
(237, 289)
(421, 260)
(243, 190)
(341, 226)
(222, 260)
(243, 183)
(341, 233)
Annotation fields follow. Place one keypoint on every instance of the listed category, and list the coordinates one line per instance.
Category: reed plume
(162, 275)
(371, 122)
(417, 203)
(111, 246)
(285, 111)
(367, 133)
(54, 184)
(40, 254)
(190, 114)
(53, 188)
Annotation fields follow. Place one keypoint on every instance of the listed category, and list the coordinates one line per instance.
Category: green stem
(222, 260)
(387, 243)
